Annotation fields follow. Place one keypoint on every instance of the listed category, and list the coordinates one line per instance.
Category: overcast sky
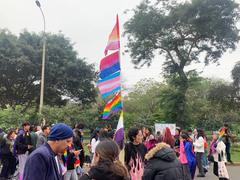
(88, 23)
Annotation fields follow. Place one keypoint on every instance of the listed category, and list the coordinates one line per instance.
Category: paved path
(234, 173)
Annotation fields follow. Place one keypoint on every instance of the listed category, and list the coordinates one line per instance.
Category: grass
(85, 143)
(235, 153)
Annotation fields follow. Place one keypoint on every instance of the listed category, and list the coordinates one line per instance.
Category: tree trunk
(181, 103)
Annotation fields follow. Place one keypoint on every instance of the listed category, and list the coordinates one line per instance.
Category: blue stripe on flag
(111, 92)
(110, 70)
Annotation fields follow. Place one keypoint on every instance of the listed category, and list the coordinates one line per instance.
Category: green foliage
(197, 31)
(153, 102)
(13, 118)
(182, 31)
(142, 104)
(66, 75)
(236, 76)
(70, 114)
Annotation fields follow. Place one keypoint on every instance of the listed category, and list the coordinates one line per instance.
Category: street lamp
(43, 59)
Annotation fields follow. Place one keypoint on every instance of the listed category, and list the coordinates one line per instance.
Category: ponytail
(119, 169)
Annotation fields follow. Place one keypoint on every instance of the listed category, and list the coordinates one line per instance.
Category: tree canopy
(209, 103)
(66, 75)
(195, 31)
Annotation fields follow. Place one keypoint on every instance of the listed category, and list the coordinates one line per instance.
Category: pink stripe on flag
(109, 81)
(108, 85)
(110, 60)
(113, 37)
(109, 88)
(113, 45)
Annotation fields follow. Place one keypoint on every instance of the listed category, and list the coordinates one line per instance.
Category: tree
(142, 106)
(236, 77)
(66, 75)
(193, 31)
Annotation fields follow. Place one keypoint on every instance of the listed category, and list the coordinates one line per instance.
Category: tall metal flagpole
(43, 60)
(120, 62)
(122, 152)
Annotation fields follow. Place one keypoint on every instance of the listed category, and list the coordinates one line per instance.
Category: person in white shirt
(199, 150)
(93, 142)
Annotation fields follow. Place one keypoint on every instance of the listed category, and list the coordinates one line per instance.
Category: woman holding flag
(217, 155)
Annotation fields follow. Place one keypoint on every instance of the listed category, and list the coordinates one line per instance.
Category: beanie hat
(60, 131)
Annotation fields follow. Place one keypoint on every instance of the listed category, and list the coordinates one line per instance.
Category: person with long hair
(105, 163)
(167, 137)
(150, 140)
(78, 142)
(187, 156)
(93, 142)
(199, 150)
(8, 158)
(134, 153)
(177, 141)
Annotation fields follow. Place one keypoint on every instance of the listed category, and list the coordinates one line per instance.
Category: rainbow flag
(110, 84)
(112, 106)
(113, 39)
(65, 157)
(221, 132)
(109, 65)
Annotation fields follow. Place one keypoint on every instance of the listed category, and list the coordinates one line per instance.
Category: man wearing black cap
(43, 164)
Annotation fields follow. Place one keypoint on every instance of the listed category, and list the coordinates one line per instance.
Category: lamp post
(43, 59)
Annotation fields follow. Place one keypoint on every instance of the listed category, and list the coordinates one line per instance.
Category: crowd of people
(57, 152)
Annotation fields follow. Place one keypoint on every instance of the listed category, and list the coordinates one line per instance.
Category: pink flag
(113, 39)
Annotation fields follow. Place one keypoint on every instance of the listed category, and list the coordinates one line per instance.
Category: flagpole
(120, 64)
(122, 152)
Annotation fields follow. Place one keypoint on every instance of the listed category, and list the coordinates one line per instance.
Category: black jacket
(22, 141)
(163, 165)
(132, 151)
(5, 149)
(70, 160)
(77, 142)
(102, 172)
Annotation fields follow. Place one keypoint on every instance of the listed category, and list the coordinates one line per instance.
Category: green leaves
(66, 75)
(197, 31)
(192, 28)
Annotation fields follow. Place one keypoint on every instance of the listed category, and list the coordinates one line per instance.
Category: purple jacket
(41, 165)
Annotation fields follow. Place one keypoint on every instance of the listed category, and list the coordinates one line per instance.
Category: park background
(75, 45)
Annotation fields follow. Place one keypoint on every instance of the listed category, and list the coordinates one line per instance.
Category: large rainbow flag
(113, 39)
(112, 106)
